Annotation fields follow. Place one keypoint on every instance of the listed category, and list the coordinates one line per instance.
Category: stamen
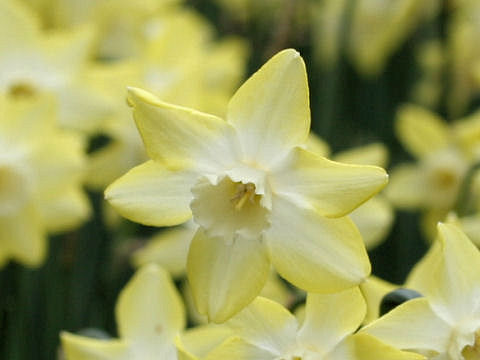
(244, 192)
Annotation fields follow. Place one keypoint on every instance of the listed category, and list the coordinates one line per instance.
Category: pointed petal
(168, 249)
(373, 291)
(239, 349)
(362, 346)
(267, 325)
(412, 325)
(199, 341)
(448, 275)
(317, 145)
(26, 244)
(372, 154)
(225, 276)
(19, 26)
(323, 328)
(179, 136)
(374, 220)
(271, 109)
(83, 348)
(315, 253)
(65, 210)
(153, 195)
(149, 307)
(333, 189)
(421, 131)
(406, 188)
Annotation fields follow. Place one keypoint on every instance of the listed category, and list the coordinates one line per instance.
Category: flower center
(472, 352)
(229, 208)
(21, 90)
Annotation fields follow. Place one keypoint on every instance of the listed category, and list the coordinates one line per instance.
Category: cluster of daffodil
(63, 80)
(263, 251)
(264, 200)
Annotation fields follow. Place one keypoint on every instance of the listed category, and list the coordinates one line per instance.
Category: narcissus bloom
(149, 315)
(445, 324)
(266, 330)
(41, 170)
(257, 195)
(34, 62)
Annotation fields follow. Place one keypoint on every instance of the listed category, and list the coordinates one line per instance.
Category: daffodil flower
(375, 217)
(445, 323)
(257, 195)
(266, 330)
(34, 62)
(41, 170)
(149, 315)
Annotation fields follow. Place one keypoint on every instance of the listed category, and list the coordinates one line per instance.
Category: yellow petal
(374, 220)
(412, 325)
(153, 195)
(372, 154)
(239, 349)
(225, 276)
(331, 188)
(362, 346)
(65, 210)
(323, 328)
(179, 136)
(83, 348)
(19, 26)
(373, 290)
(315, 253)
(317, 145)
(406, 188)
(267, 325)
(448, 275)
(150, 308)
(199, 341)
(23, 236)
(421, 131)
(271, 109)
(168, 249)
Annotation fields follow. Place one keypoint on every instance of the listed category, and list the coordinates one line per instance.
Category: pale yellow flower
(379, 28)
(35, 62)
(257, 195)
(149, 315)
(266, 330)
(41, 169)
(445, 323)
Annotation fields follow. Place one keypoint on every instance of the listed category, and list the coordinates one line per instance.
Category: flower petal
(225, 276)
(179, 136)
(406, 188)
(149, 307)
(64, 210)
(448, 275)
(362, 346)
(315, 253)
(26, 244)
(412, 325)
(421, 131)
(80, 348)
(267, 325)
(168, 249)
(373, 291)
(323, 328)
(239, 349)
(153, 195)
(372, 154)
(331, 188)
(271, 109)
(374, 220)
